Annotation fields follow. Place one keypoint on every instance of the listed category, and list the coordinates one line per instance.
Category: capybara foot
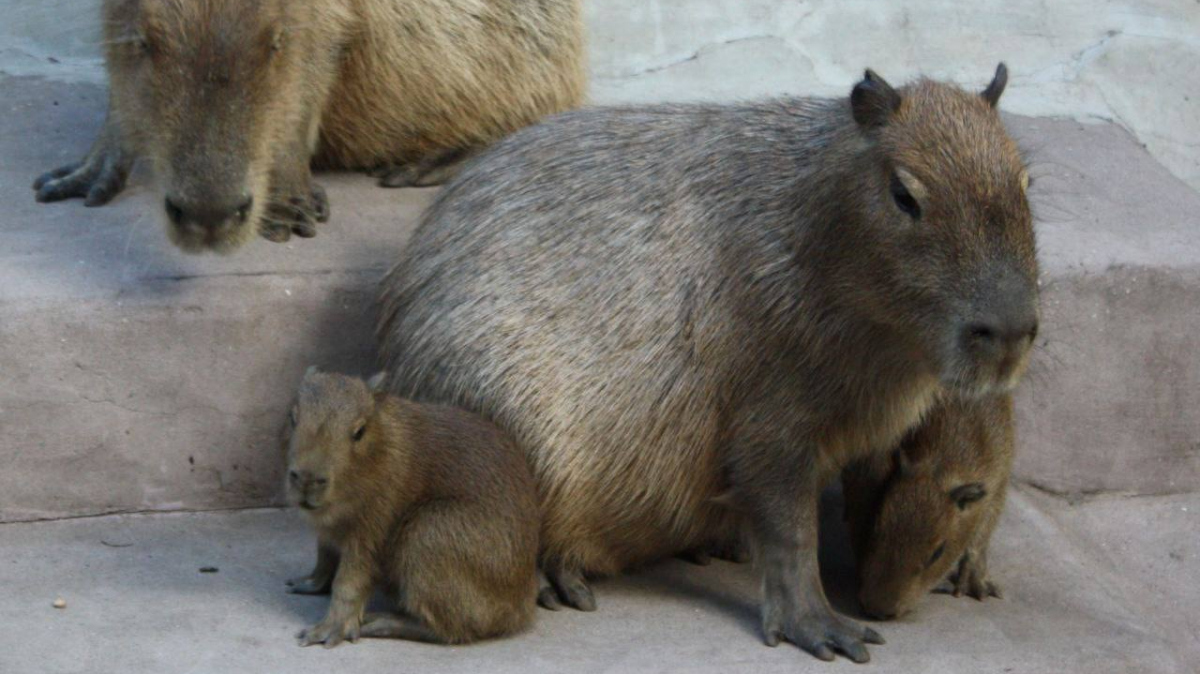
(330, 633)
(432, 170)
(96, 179)
(821, 633)
(969, 580)
(571, 589)
(309, 585)
(396, 626)
(297, 215)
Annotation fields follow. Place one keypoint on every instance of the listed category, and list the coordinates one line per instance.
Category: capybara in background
(230, 100)
(432, 503)
(693, 316)
(928, 510)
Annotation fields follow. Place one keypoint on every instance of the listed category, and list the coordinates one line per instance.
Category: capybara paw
(329, 633)
(296, 215)
(97, 180)
(822, 634)
(969, 580)
(399, 176)
(308, 585)
(573, 590)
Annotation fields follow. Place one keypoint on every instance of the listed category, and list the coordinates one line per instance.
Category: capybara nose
(1005, 313)
(876, 613)
(210, 216)
(1000, 333)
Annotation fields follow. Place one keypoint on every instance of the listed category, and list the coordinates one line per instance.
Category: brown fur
(928, 510)
(230, 100)
(433, 503)
(682, 306)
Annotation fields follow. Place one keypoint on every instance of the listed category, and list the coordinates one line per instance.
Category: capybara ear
(377, 382)
(999, 81)
(873, 101)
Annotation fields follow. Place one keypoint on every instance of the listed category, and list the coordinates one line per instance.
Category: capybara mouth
(193, 240)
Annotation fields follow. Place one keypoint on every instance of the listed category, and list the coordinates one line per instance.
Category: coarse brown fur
(431, 502)
(928, 510)
(679, 308)
(230, 100)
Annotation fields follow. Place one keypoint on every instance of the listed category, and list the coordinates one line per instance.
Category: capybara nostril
(210, 214)
(243, 209)
(981, 331)
(294, 476)
(876, 613)
(174, 212)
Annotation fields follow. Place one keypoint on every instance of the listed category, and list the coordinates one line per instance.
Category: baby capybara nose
(211, 215)
(878, 613)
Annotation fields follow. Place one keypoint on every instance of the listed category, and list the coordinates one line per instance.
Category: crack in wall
(696, 55)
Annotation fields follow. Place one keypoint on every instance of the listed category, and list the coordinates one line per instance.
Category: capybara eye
(358, 432)
(904, 200)
(937, 554)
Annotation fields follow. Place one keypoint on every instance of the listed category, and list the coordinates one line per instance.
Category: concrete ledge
(137, 378)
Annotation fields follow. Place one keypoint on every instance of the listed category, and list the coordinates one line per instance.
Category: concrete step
(137, 378)
(1104, 587)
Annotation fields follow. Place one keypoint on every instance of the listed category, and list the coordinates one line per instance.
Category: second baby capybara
(928, 510)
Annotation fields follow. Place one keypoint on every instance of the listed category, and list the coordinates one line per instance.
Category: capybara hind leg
(572, 589)
(396, 626)
(431, 170)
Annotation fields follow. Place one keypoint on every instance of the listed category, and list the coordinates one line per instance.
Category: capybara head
(912, 514)
(208, 89)
(333, 430)
(946, 241)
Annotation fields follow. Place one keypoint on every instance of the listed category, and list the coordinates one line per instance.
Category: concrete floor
(138, 379)
(1108, 586)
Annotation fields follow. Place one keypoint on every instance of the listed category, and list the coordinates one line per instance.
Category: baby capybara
(432, 503)
(925, 513)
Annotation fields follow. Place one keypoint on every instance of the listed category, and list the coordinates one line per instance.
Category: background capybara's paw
(297, 215)
(96, 179)
(405, 175)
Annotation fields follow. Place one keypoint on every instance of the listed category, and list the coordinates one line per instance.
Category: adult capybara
(695, 315)
(432, 503)
(230, 100)
(928, 510)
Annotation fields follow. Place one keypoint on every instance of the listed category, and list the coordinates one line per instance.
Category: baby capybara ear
(873, 101)
(377, 382)
(999, 81)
